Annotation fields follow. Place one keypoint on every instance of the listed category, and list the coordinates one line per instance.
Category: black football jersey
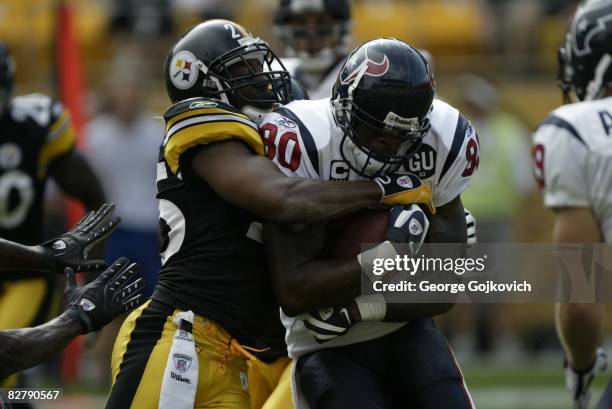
(212, 252)
(34, 132)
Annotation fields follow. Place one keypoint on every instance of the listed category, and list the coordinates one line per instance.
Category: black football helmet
(7, 68)
(288, 21)
(585, 61)
(221, 59)
(381, 100)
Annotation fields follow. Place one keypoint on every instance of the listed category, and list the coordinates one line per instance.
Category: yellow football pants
(141, 352)
(270, 384)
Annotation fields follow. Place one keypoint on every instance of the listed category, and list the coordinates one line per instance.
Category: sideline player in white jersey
(573, 165)
(382, 116)
(315, 34)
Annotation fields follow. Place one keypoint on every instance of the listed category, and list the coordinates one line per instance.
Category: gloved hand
(406, 225)
(71, 248)
(404, 189)
(328, 323)
(470, 222)
(578, 383)
(117, 290)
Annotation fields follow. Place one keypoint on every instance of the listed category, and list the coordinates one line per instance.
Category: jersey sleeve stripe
(203, 133)
(562, 123)
(61, 139)
(202, 111)
(186, 122)
(458, 139)
(59, 124)
(309, 143)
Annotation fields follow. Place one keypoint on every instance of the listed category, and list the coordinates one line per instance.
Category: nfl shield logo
(182, 362)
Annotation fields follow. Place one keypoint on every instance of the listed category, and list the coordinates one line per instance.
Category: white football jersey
(303, 139)
(573, 159)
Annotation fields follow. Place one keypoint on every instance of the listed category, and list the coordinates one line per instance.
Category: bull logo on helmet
(367, 67)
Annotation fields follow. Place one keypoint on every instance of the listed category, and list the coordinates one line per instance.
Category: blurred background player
(495, 196)
(37, 142)
(572, 157)
(122, 142)
(68, 250)
(315, 34)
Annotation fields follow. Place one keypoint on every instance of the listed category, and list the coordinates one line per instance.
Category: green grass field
(537, 384)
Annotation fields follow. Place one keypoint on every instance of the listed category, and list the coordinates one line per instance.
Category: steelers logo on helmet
(183, 69)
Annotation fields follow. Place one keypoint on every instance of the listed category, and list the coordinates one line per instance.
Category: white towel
(181, 374)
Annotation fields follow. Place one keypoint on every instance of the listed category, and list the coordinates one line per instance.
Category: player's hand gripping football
(404, 189)
(117, 290)
(578, 383)
(407, 225)
(71, 248)
(328, 323)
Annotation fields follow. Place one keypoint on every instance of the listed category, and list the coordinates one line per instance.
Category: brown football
(346, 235)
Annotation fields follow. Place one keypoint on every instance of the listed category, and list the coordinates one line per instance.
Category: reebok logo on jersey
(202, 104)
(179, 378)
(286, 122)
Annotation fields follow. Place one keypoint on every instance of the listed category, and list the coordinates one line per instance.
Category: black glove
(117, 290)
(328, 323)
(71, 249)
(404, 189)
(407, 224)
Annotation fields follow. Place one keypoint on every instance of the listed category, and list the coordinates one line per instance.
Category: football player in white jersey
(315, 34)
(573, 165)
(382, 116)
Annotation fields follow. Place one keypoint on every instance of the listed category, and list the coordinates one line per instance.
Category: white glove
(470, 221)
(578, 383)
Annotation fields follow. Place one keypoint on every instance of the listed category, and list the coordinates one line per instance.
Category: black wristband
(78, 314)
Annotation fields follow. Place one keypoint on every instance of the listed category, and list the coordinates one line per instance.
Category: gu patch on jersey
(183, 70)
(423, 162)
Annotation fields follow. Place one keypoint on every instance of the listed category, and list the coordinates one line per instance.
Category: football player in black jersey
(37, 141)
(182, 348)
